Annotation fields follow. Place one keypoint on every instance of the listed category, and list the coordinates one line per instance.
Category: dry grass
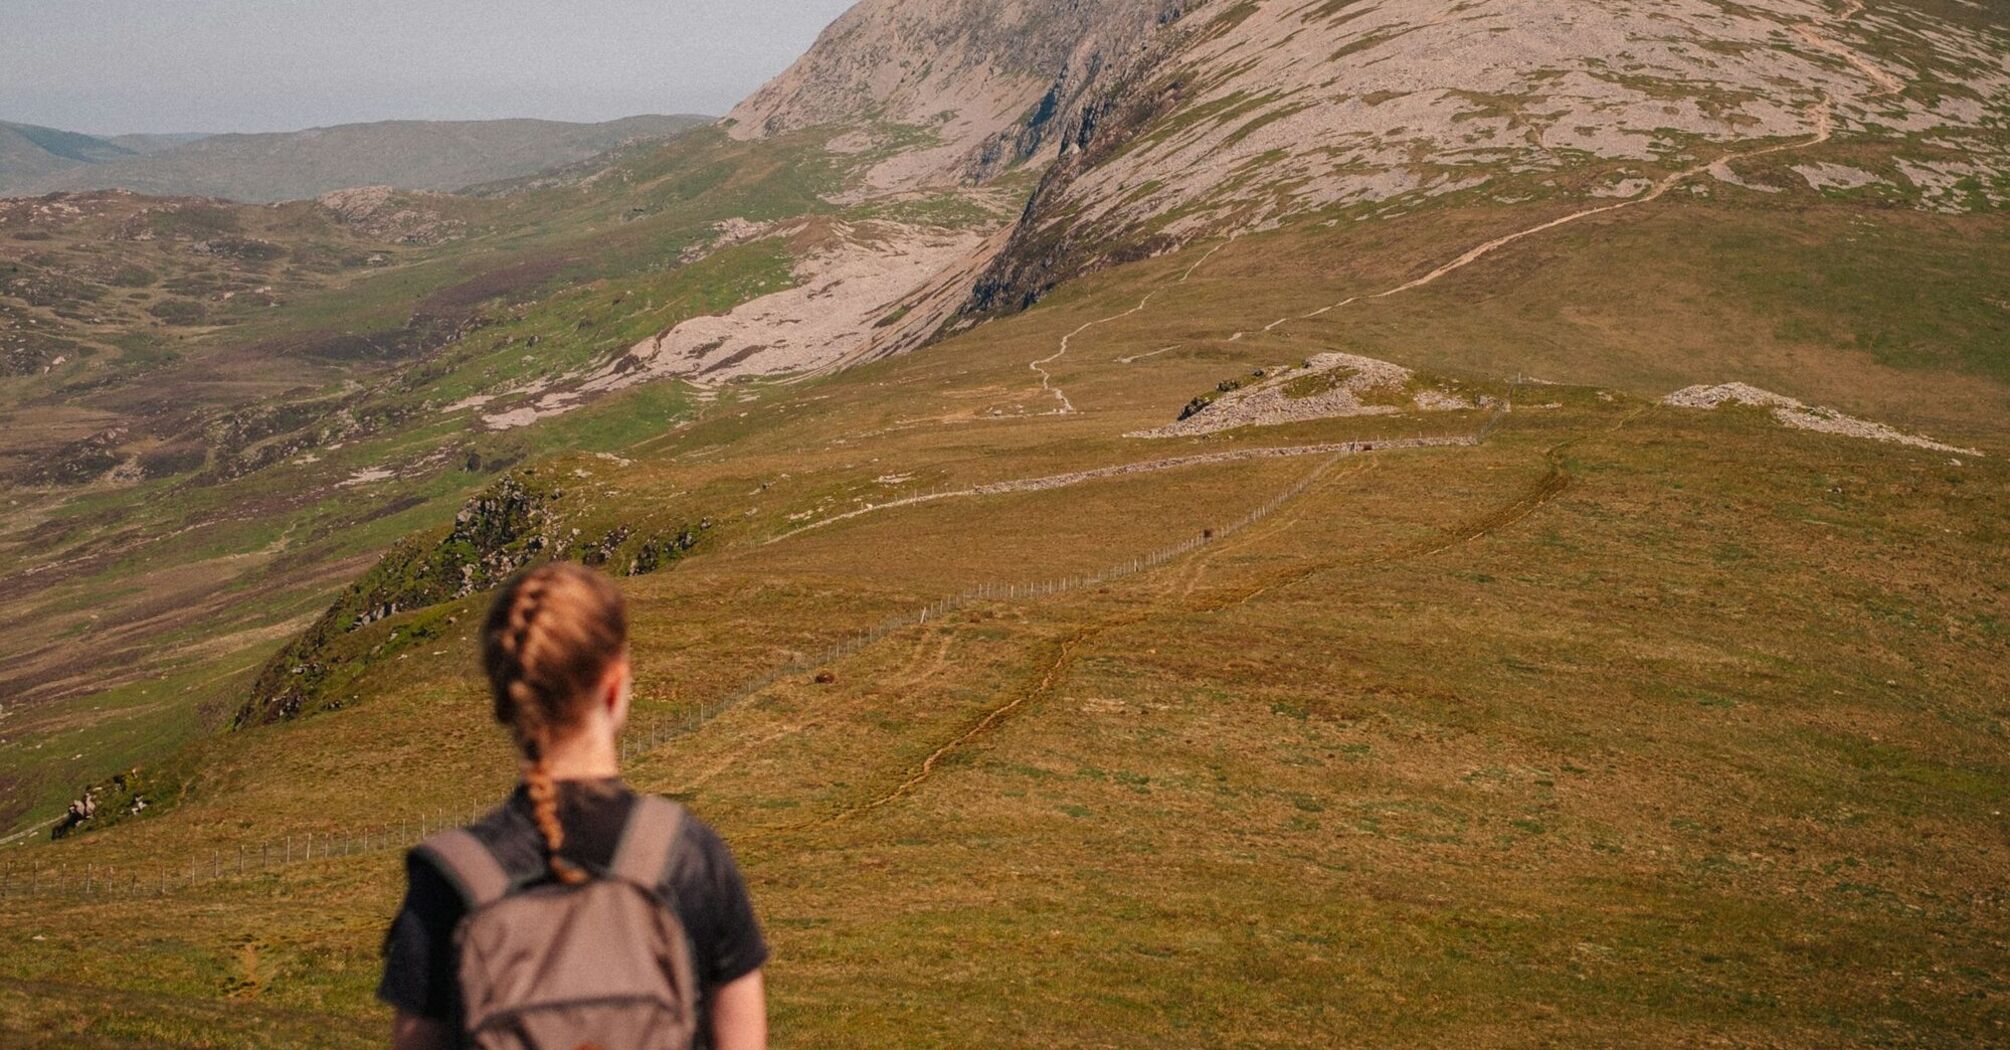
(1631, 725)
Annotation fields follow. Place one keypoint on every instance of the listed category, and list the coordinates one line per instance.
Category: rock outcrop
(117, 798)
(524, 518)
(1327, 386)
(996, 83)
(1799, 415)
(387, 214)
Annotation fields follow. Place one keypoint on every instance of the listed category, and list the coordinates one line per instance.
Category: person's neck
(583, 758)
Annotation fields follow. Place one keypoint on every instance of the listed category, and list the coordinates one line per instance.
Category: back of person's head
(551, 637)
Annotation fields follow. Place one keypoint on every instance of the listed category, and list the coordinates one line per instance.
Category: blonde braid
(518, 644)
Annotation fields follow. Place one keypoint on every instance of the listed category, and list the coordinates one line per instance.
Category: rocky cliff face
(1170, 121)
(995, 82)
(1253, 113)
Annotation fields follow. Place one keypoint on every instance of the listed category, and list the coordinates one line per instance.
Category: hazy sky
(113, 66)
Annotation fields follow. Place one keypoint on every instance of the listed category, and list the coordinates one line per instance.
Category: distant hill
(155, 143)
(417, 155)
(28, 152)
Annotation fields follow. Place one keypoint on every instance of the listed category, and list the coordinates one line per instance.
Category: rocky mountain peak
(994, 82)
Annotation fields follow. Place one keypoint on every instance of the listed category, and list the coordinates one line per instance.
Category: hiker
(579, 913)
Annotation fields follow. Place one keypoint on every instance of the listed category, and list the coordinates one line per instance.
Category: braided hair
(550, 636)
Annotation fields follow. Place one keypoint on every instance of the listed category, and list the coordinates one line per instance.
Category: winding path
(1887, 83)
(1047, 378)
(1078, 477)
(1824, 130)
(1053, 672)
(1824, 114)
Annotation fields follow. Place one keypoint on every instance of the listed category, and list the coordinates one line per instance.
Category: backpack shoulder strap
(471, 866)
(648, 841)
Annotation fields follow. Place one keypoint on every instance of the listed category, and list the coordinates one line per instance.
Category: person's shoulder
(699, 848)
(430, 892)
(512, 841)
(500, 830)
(691, 828)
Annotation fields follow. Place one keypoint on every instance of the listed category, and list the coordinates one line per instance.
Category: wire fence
(109, 881)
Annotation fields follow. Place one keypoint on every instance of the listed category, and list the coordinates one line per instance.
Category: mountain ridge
(1270, 113)
(266, 167)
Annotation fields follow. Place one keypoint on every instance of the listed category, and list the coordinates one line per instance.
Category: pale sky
(115, 66)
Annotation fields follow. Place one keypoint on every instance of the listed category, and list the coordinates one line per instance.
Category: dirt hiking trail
(1067, 407)
(1079, 477)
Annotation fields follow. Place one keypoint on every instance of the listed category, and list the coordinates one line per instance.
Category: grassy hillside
(1632, 723)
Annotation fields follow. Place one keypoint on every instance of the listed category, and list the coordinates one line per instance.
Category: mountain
(417, 155)
(1249, 522)
(29, 152)
(1269, 112)
(155, 143)
(993, 83)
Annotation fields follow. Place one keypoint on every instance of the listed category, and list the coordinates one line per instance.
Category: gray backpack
(601, 966)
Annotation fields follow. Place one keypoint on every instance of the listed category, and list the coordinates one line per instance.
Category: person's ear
(618, 689)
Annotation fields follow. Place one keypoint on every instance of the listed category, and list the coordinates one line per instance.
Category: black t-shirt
(704, 886)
